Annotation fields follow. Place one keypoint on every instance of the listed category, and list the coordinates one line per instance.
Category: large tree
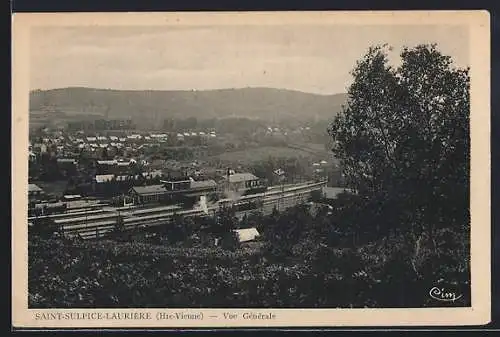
(403, 137)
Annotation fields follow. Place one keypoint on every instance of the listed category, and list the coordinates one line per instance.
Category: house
(123, 178)
(152, 174)
(101, 184)
(106, 166)
(183, 190)
(158, 135)
(35, 192)
(103, 178)
(246, 234)
(240, 182)
(148, 194)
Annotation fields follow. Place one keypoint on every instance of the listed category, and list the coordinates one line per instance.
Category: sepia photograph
(218, 161)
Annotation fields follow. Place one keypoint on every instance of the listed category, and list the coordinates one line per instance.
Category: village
(88, 184)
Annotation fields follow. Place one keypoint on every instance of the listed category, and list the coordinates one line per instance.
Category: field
(263, 153)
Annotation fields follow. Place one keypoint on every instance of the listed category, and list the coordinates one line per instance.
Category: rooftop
(66, 160)
(104, 178)
(203, 184)
(149, 190)
(246, 234)
(71, 196)
(107, 162)
(240, 177)
(34, 188)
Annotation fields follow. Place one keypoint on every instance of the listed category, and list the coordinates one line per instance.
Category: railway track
(97, 223)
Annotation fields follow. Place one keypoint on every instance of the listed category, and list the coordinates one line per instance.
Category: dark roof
(239, 177)
(203, 184)
(149, 190)
(169, 180)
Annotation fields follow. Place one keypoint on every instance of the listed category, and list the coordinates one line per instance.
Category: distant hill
(260, 103)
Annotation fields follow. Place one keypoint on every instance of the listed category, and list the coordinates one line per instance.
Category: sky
(313, 58)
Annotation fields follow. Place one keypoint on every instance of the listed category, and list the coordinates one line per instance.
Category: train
(45, 209)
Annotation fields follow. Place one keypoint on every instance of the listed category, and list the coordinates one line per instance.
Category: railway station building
(148, 194)
(240, 182)
(173, 191)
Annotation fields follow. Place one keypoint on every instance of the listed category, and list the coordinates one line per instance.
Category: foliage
(403, 140)
(299, 267)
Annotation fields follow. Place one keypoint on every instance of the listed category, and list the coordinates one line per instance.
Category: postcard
(251, 169)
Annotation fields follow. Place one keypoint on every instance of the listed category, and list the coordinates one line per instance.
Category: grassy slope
(261, 154)
(265, 103)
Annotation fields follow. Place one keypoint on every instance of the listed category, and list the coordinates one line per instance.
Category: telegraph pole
(282, 194)
(281, 176)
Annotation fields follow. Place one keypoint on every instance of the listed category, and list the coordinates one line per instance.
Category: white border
(479, 27)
